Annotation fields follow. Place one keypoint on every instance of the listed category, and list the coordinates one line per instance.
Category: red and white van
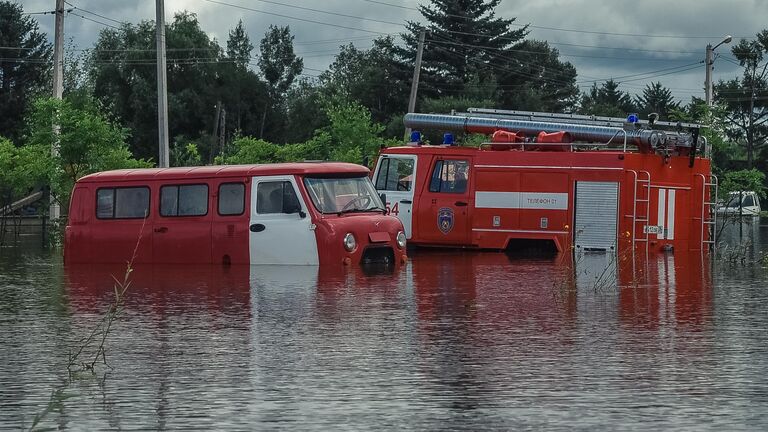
(295, 213)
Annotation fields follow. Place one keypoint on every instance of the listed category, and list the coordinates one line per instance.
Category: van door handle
(406, 202)
(460, 204)
(257, 227)
(161, 229)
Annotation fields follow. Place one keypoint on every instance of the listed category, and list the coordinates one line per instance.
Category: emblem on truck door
(445, 220)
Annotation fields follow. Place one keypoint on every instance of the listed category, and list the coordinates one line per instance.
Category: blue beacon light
(415, 136)
(448, 139)
(633, 118)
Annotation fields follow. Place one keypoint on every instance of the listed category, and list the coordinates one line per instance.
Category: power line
(294, 18)
(330, 13)
(94, 13)
(566, 30)
(93, 20)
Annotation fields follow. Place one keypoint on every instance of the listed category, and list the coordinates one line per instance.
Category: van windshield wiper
(359, 210)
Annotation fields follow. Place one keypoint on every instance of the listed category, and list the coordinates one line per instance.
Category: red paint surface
(211, 238)
(511, 170)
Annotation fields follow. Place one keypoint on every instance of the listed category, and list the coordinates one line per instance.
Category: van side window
(449, 176)
(276, 197)
(231, 199)
(395, 174)
(184, 200)
(122, 203)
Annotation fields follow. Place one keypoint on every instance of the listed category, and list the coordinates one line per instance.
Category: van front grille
(378, 255)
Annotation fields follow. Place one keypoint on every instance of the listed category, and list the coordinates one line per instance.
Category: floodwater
(452, 341)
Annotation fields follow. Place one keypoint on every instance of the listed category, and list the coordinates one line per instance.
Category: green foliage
(23, 72)
(372, 78)
(607, 100)
(466, 39)
(21, 169)
(87, 143)
(459, 103)
(200, 75)
(185, 155)
(746, 98)
(743, 180)
(351, 137)
(353, 134)
(247, 150)
(278, 63)
(656, 99)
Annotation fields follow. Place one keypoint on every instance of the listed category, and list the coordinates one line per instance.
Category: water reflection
(454, 340)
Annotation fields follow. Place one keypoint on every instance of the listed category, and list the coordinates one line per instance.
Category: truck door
(395, 177)
(281, 230)
(445, 208)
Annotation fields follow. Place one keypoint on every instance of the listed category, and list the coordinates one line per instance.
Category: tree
(372, 77)
(279, 65)
(607, 100)
(239, 46)
(200, 76)
(464, 38)
(25, 65)
(532, 77)
(656, 99)
(88, 143)
(747, 98)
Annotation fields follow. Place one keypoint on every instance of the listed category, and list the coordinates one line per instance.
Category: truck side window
(276, 197)
(395, 174)
(231, 199)
(122, 203)
(184, 200)
(449, 176)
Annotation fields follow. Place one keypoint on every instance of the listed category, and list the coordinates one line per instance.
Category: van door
(445, 210)
(281, 230)
(396, 177)
(182, 230)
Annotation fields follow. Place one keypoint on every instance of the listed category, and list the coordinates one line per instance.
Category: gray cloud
(631, 55)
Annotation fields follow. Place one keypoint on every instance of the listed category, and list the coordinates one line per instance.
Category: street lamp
(710, 61)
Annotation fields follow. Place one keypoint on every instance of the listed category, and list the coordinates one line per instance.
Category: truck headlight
(401, 240)
(349, 242)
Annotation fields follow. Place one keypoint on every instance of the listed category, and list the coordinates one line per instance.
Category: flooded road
(469, 341)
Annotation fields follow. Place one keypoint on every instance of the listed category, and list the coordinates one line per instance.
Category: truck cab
(430, 190)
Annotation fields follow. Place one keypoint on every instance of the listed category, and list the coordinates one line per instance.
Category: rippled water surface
(451, 341)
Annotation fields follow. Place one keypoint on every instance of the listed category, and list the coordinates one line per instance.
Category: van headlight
(349, 242)
(401, 240)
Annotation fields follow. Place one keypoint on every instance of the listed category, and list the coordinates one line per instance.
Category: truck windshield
(343, 194)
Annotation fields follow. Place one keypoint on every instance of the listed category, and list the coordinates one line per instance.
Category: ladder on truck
(708, 210)
(641, 207)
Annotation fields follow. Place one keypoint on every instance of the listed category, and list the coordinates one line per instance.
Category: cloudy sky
(634, 42)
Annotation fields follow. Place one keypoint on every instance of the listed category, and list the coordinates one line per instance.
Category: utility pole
(54, 211)
(162, 95)
(415, 82)
(222, 129)
(709, 62)
(215, 132)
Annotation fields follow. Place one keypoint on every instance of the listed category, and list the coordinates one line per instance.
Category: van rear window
(184, 200)
(122, 203)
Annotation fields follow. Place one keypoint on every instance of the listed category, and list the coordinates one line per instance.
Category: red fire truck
(583, 182)
(297, 213)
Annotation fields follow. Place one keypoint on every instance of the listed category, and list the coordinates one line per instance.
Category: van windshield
(343, 194)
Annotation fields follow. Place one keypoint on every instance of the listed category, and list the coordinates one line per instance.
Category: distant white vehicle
(748, 206)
